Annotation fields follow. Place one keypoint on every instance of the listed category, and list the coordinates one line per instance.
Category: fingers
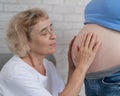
(71, 64)
(96, 47)
(83, 40)
(70, 48)
(89, 41)
(92, 41)
(71, 43)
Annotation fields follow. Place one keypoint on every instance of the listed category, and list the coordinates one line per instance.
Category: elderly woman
(31, 37)
(102, 17)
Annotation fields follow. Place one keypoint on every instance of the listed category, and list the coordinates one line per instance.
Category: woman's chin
(52, 51)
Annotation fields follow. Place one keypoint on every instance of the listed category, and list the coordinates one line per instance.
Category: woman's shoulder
(14, 67)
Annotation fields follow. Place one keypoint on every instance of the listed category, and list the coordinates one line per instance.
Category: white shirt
(20, 79)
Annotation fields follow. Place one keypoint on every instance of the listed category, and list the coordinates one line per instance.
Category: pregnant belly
(108, 55)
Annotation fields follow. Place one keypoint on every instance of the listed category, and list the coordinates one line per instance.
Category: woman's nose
(52, 34)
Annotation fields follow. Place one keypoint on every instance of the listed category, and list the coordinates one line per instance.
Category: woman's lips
(53, 44)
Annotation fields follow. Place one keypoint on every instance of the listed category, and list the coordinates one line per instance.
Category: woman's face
(43, 39)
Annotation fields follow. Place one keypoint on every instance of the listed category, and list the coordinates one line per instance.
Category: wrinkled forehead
(42, 23)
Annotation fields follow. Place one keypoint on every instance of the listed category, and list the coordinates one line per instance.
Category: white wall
(66, 15)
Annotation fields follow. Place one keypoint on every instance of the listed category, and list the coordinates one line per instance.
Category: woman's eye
(43, 34)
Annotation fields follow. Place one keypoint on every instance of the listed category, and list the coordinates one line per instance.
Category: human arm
(84, 57)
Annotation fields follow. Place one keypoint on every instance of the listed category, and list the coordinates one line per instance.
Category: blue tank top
(103, 12)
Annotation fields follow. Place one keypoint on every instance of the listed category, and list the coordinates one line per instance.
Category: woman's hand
(84, 57)
(70, 61)
(87, 51)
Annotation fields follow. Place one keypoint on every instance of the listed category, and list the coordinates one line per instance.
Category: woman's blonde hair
(19, 30)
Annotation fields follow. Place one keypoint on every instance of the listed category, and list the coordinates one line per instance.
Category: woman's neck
(35, 61)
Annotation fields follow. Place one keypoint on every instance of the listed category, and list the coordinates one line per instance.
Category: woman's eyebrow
(46, 27)
(43, 29)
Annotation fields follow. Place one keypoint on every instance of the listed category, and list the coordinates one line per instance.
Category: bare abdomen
(109, 54)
